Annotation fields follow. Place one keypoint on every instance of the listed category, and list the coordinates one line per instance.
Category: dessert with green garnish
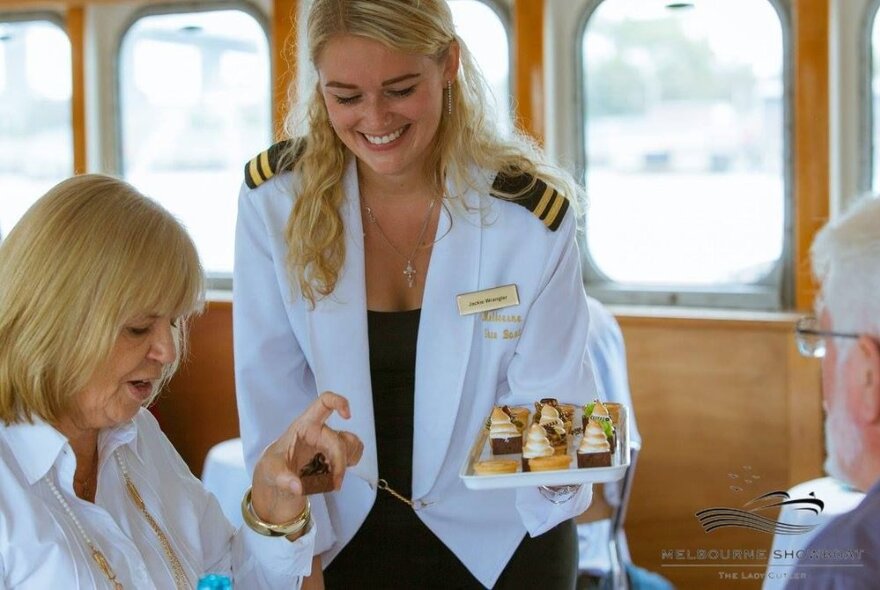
(597, 410)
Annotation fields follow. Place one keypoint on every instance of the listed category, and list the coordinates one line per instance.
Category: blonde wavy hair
(467, 137)
(88, 257)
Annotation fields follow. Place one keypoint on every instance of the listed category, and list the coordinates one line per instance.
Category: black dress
(393, 548)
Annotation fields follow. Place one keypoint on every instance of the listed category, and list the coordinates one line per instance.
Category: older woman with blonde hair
(364, 242)
(97, 285)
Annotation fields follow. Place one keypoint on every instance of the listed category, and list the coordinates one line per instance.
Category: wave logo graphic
(717, 518)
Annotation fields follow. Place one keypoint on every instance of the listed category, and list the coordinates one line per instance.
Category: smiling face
(384, 105)
(127, 378)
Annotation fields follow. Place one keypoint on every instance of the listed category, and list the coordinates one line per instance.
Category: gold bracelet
(273, 530)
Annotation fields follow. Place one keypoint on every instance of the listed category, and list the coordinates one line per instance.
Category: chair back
(618, 547)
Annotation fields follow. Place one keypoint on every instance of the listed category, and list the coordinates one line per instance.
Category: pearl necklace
(99, 558)
(180, 580)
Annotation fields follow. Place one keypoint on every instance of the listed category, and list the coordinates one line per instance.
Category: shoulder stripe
(548, 195)
(534, 194)
(268, 163)
(252, 175)
(265, 169)
(555, 209)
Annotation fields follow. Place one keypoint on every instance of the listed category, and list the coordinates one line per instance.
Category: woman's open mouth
(141, 390)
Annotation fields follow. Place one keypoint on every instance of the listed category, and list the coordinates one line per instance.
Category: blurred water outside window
(195, 96)
(36, 137)
(487, 38)
(875, 101)
(684, 143)
(195, 106)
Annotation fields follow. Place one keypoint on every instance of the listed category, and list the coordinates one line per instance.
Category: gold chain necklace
(179, 575)
(180, 581)
(409, 271)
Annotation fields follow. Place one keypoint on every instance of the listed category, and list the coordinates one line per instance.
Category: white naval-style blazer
(286, 353)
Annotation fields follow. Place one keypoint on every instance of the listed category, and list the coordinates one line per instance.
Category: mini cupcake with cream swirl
(537, 445)
(505, 431)
(596, 410)
(554, 428)
(566, 411)
(595, 449)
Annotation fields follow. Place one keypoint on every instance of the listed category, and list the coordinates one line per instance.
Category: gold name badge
(487, 300)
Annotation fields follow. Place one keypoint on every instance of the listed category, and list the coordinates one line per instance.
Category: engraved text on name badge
(487, 300)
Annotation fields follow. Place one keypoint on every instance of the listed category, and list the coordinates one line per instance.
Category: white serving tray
(481, 451)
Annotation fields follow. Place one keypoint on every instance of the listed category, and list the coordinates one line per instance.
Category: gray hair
(846, 259)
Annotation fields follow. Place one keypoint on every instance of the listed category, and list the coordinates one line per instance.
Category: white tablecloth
(838, 499)
(225, 476)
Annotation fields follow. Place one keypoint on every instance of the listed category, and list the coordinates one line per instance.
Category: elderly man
(846, 335)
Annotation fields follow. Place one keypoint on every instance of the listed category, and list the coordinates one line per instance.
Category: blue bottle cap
(214, 582)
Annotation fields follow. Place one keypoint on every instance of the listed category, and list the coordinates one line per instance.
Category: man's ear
(867, 378)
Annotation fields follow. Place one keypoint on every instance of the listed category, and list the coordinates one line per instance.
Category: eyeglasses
(811, 340)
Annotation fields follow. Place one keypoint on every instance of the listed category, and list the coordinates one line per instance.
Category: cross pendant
(410, 273)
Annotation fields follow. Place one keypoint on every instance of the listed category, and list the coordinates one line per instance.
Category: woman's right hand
(277, 493)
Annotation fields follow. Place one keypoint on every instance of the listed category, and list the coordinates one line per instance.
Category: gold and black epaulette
(534, 194)
(266, 164)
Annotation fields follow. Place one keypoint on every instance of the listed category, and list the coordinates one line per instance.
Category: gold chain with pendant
(180, 581)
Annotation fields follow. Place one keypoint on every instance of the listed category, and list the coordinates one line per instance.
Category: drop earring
(449, 97)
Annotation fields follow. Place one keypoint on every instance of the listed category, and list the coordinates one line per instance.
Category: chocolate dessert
(316, 477)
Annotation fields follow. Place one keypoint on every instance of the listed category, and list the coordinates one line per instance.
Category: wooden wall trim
(220, 305)
(710, 402)
(528, 39)
(805, 417)
(76, 30)
(672, 317)
(811, 136)
(59, 3)
(284, 59)
(198, 410)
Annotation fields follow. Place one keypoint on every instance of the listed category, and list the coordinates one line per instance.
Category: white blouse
(41, 546)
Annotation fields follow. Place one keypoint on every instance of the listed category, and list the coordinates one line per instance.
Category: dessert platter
(556, 444)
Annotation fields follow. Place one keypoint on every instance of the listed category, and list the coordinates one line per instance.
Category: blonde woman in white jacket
(353, 244)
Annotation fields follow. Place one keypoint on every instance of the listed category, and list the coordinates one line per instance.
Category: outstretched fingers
(310, 424)
(327, 403)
